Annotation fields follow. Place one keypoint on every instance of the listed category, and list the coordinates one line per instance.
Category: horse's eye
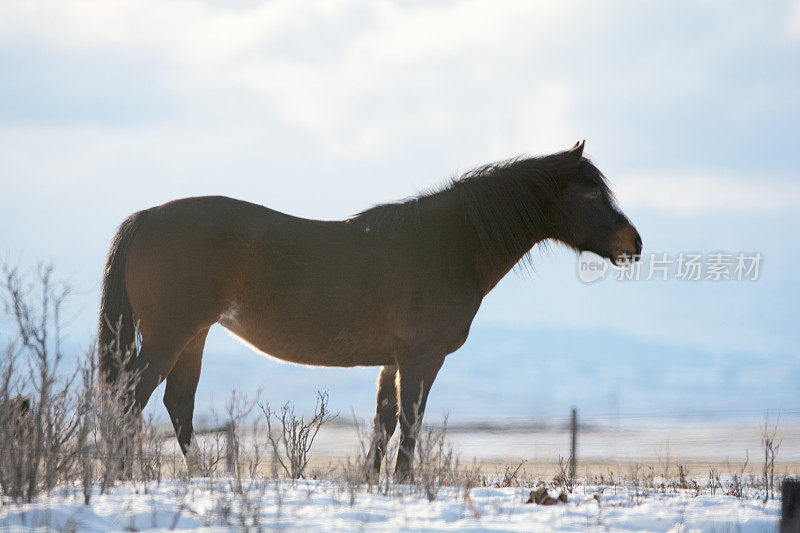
(592, 195)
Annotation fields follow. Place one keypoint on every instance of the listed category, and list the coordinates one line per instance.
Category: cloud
(429, 89)
(794, 19)
(494, 78)
(361, 76)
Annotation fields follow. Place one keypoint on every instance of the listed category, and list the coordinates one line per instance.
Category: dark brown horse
(395, 286)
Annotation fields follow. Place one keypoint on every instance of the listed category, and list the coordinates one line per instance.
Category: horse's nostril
(638, 243)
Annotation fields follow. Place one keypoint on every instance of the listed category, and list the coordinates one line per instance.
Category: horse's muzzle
(627, 246)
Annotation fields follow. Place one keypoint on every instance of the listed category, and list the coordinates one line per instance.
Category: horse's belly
(337, 350)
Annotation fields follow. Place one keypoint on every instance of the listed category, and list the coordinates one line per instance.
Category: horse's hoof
(193, 459)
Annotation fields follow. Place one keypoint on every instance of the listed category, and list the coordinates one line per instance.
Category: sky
(321, 109)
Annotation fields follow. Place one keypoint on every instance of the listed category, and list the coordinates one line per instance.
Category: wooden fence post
(790, 506)
(231, 447)
(573, 457)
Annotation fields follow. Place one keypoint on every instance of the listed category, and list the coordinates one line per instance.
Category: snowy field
(325, 506)
(609, 496)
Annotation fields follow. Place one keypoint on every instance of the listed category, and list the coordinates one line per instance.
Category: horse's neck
(490, 267)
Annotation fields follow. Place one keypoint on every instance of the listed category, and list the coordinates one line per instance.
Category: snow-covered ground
(325, 506)
(601, 504)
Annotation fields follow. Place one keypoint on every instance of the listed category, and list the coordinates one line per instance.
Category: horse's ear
(577, 150)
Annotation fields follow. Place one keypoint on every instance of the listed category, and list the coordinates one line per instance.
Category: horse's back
(270, 277)
(188, 257)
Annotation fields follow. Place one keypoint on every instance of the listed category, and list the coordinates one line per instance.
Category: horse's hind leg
(385, 418)
(179, 396)
(155, 361)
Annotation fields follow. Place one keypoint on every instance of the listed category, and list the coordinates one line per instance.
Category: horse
(395, 286)
(14, 417)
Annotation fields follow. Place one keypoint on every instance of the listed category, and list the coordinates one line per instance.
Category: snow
(205, 504)
(201, 504)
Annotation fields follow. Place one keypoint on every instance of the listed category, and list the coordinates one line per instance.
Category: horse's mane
(501, 200)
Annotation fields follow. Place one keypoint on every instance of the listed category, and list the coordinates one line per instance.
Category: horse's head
(585, 215)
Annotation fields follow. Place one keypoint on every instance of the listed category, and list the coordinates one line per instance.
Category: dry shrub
(357, 471)
(770, 451)
(39, 447)
(510, 478)
(738, 480)
(68, 431)
(436, 464)
(118, 426)
(564, 479)
(14, 459)
(293, 436)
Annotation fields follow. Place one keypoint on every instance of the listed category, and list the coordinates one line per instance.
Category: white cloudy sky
(321, 108)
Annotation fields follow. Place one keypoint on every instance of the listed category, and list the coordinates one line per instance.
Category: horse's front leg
(416, 378)
(385, 419)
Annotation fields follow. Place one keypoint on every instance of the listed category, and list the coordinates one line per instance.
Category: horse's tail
(117, 330)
